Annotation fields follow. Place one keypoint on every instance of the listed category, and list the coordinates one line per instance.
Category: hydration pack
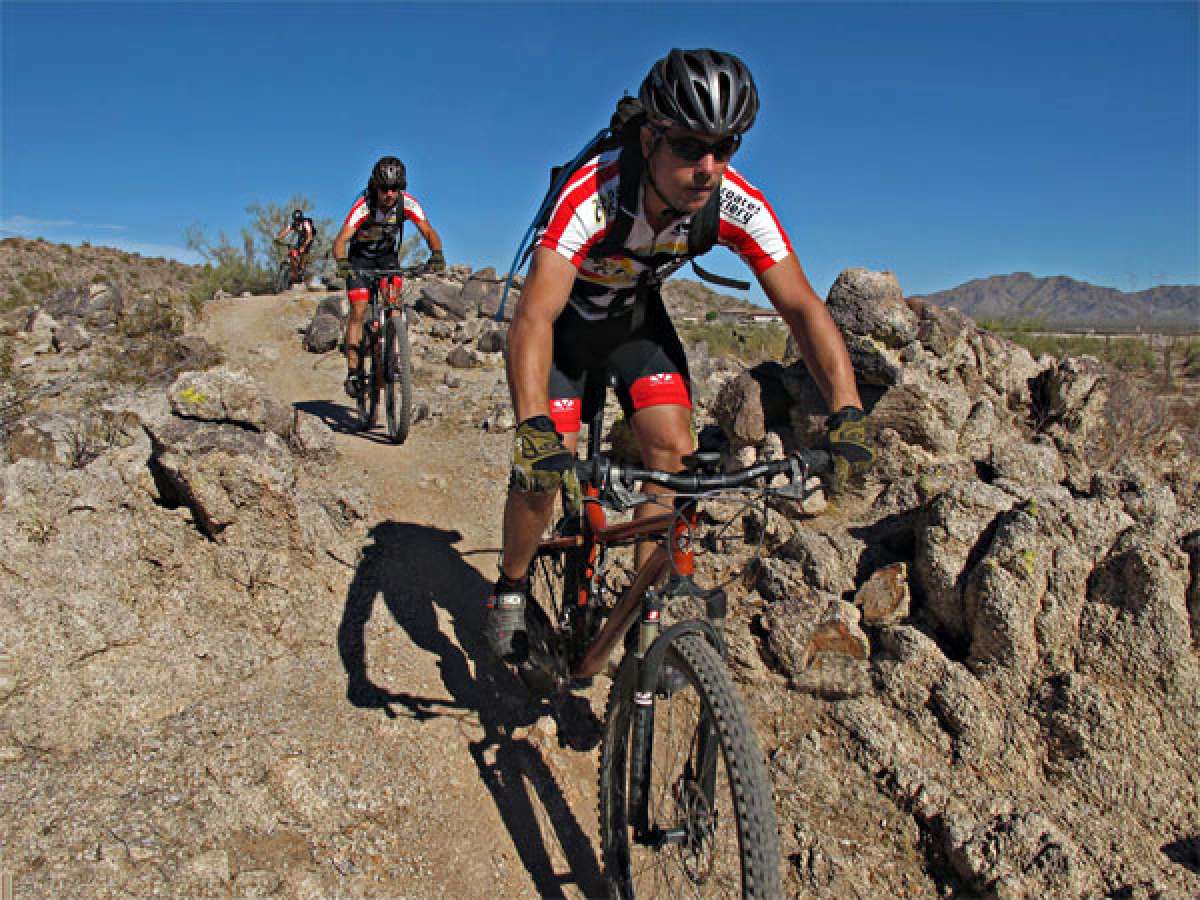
(623, 133)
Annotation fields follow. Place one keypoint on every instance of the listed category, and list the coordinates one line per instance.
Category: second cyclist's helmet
(701, 90)
(388, 172)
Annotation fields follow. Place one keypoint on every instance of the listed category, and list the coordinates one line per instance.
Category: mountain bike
(291, 269)
(685, 799)
(384, 364)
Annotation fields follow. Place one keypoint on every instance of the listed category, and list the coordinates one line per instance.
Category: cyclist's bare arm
(432, 238)
(817, 336)
(531, 336)
(310, 235)
(339, 242)
(283, 232)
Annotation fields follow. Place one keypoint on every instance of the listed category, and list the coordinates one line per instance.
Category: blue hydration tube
(525, 248)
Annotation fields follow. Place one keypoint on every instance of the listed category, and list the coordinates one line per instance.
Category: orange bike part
(683, 555)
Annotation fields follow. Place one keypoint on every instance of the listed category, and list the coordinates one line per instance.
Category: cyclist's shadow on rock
(337, 416)
(414, 569)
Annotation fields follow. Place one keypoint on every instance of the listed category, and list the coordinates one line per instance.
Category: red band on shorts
(358, 295)
(665, 389)
(565, 412)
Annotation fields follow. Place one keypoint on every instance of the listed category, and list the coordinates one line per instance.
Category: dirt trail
(501, 808)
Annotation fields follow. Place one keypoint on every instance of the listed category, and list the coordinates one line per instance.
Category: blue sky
(943, 141)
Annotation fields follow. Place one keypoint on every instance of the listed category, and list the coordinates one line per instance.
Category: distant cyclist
(303, 232)
(370, 238)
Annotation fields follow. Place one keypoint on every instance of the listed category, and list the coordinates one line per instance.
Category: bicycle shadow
(342, 419)
(416, 569)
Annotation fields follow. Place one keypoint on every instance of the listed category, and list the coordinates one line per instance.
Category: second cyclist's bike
(384, 357)
(291, 269)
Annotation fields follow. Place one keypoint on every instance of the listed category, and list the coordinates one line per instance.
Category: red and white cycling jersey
(376, 232)
(604, 287)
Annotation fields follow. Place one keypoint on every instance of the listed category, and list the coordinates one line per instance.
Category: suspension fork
(651, 650)
(642, 738)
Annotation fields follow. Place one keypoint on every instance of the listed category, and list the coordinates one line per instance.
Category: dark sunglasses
(692, 149)
(391, 187)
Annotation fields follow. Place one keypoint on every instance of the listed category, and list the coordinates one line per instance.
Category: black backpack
(622, 133)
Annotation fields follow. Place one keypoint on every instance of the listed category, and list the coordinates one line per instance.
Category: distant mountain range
(1062, 302)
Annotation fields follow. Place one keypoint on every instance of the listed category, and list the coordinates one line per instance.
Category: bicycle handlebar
(403, 271)
(800, 465)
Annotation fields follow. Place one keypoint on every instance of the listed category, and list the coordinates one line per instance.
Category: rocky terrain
(240, 648)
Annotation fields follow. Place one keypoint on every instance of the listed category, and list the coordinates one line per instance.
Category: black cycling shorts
(646, 358)
(358, 288)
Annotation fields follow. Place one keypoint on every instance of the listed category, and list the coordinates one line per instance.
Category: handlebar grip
(818, 461)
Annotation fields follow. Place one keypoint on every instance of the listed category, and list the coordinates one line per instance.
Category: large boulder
(324, 333)
(226, 395)
(482, 291)
(748, 406)
(444, 299)
(871, 304)
(228, 475)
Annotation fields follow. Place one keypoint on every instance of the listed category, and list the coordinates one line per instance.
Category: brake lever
(796, 488)
(621, 497)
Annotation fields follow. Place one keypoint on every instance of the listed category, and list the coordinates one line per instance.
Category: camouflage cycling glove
(540, 461)
(436, 262)
(848, 445)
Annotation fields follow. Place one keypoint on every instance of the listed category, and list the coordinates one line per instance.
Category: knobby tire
(397, 379)
(283, 277)
(734, 853)
(546, 592)
(368, 375)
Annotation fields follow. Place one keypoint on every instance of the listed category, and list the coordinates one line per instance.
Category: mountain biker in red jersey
(369, 239)
(305, 232)
(579, 316)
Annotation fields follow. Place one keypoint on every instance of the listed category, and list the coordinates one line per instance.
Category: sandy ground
(515, 809)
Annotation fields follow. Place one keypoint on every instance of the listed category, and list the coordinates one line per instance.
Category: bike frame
(384, 302)
(675, 554)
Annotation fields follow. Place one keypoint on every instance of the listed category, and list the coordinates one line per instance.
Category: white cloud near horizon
(19, 223)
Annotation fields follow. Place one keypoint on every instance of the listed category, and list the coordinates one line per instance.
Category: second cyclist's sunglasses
(692, 149)
(391, 187)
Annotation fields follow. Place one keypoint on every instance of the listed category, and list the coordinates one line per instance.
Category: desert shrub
(1191, 359)
(1127, 354)
(749, 343)
(1139, 425)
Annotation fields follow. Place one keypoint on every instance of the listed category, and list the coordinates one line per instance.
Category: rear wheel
(711, 829)
(397, 381)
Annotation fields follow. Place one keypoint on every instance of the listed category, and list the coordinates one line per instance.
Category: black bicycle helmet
(701, 90)
(388, 172)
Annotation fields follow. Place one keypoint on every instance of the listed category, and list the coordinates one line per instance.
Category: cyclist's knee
(358, 313)
(665, 449)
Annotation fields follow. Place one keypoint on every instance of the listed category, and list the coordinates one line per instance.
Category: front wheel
(368, 379)
(283, 277)
(709, 827)
(397, 380)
